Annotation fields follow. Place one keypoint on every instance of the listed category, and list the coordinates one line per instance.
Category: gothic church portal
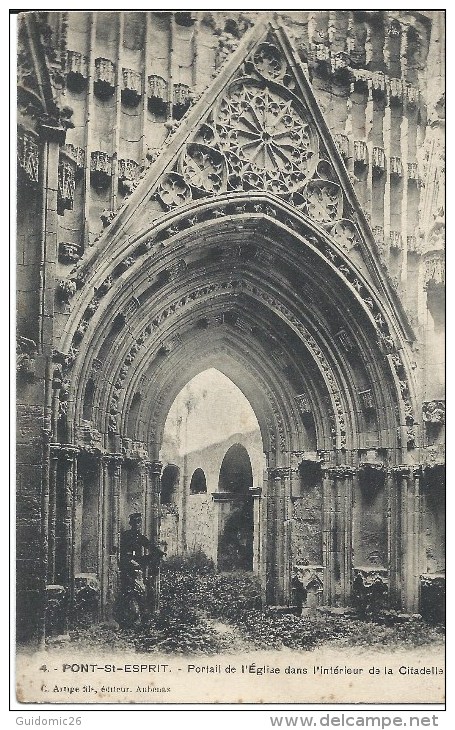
(263, 196)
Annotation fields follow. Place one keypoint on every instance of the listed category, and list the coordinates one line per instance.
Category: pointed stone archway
(322, 369)
(266, 269)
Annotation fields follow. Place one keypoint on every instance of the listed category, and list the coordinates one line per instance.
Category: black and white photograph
(230, 356)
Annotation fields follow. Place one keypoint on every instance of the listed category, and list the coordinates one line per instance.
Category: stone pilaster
(257, 535)
(407, 540)
(337, 485)
(153, 511)
(278, 534)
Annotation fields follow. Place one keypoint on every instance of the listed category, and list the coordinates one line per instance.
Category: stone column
(153, 509)
(143, 482)
(116, 475)
(257, 534)
(113, 527)
(407, 538)
(337, 534)
(278, 534)
(68, 454)
(393, 532)
(52, 513)
(103, 531)
(328, 519)
(345, 495)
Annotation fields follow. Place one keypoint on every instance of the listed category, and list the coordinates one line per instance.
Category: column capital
(407, 470)
(278, 472)
(155, 467)
(67, 451)
(375, 466)
(339, 472)
(255, 491)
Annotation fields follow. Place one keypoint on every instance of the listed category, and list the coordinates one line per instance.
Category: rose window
(266, 141)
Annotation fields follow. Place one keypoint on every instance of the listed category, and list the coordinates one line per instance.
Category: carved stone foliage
(131, 87)
(66, 185)
(69, 253)
(434, 271)
(88, 438)
(76, 71)
(100, 169)
(28, 156)
(434, 412)
(369, 589)
(26, 351)
(157, 94)
(303, 404)
(104, 79)
(134, 450)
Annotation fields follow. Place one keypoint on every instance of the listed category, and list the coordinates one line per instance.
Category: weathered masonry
(259, 194)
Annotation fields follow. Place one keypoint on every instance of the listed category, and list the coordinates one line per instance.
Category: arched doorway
(198, 484)
(235, 518)
(212, 433)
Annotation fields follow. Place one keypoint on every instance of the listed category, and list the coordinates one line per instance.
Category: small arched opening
(169, 483)
(198, 484)
(236, 522)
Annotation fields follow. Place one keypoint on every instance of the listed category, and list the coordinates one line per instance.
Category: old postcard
(230, 357)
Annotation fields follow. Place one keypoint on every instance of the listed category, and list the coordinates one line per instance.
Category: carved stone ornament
(88, 438)
(267, 142)
(134, 450)
(128, 170)
(396, 240)
(278, 472)
(378, 159)
(157, 94)
(131, 87)
(100, 169)
(66, 289)
(269, 62)
(204, 169)
(181, 100)
(344, 340)
(69, 253)
(26, 351)
(76, 71)
(360, 152)
(75, 153)
(396, 167)
(342, 142)
(434, 271)
(434, 412)
(173, 191)
(66, 185)
(104, 79)
(303, 404)
(324, 201)
(366, 399)
(28, 156)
